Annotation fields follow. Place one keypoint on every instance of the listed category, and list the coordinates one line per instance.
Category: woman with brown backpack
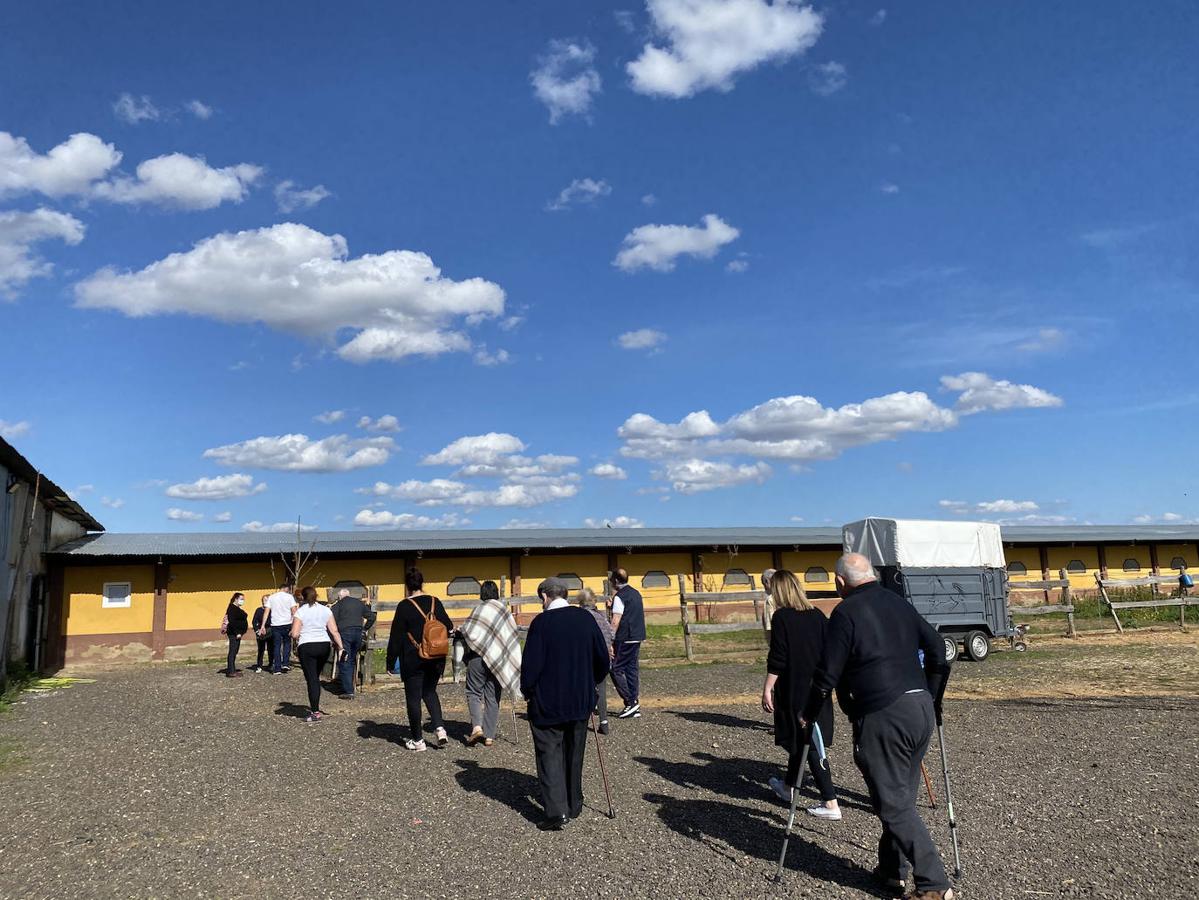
(420, 640)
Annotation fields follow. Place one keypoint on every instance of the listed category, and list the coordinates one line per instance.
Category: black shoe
(890, 878)
(574, 814)
(632, 711)
(557, 823)
(603, 727)
(286, 668)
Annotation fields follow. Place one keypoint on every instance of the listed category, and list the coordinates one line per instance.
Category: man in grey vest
(628, 621)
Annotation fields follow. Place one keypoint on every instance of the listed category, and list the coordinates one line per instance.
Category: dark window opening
(736, 576)
(1131, 565)
(1017, 568)
(463, 586)
(816, 573)
(573, 581)
(655, 579)
(1076, 567)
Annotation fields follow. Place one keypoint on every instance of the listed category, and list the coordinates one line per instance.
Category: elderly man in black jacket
(871, 656)
(565, 656)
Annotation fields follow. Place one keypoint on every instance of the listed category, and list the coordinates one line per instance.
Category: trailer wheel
(978, 645)
(951, 647)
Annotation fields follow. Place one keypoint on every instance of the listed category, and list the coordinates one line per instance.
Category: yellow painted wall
(800, 561)
(715, 565)
(1031, 557)
(1060, 556)
(1166, 552)
(83, 590)
(1117, 553)
(673, 564)
(592, 568)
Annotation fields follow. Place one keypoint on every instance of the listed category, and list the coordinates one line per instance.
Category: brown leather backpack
(435, 638)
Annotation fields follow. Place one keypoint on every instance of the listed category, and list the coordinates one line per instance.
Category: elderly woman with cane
(492, 662)
(797, 632)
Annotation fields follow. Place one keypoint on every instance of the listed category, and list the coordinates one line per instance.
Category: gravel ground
(170, 781)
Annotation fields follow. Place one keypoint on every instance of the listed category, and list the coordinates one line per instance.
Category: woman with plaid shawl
(492, 662)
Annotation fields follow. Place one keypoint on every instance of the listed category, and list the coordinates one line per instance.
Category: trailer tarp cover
(925, 544)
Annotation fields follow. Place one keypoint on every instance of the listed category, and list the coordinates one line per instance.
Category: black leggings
(313, 657)
(421, 684)
(231, 662)
(821, 774)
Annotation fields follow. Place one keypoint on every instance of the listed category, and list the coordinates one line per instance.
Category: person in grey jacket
(585, 598)
(354, 618)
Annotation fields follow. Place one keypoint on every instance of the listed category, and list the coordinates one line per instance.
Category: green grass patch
(19, 678)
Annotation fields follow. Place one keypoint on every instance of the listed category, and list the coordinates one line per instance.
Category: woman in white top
(311, 628)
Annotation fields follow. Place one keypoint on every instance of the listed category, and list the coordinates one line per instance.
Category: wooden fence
(1061, 583)
(689, 628)
(1182, 601)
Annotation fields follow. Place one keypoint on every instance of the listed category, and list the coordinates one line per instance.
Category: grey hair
(855, 569)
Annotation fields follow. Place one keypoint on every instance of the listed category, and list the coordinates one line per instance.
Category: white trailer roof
(925, 544)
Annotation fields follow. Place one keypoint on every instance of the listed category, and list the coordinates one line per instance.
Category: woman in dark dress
(236, 625)
(796, 641)
(420, 675)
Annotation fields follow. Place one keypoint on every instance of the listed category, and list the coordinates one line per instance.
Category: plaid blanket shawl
(491, 632)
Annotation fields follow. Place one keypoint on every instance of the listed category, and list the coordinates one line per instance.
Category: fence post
(683, 617)
(1067, 602)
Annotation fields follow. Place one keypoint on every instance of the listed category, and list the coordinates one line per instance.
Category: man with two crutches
(870, 658)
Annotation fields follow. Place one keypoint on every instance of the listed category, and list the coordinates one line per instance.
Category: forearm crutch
(953, 823)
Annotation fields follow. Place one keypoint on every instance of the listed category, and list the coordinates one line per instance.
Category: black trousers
(231, 662)
(821, 773)
(888, 747)
(265, 646)
(421, 684)
(313, 657)
(559, 750)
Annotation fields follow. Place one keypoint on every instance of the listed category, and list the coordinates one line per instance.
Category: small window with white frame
(117, 595)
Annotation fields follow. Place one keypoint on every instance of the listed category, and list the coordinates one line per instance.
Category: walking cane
(928, 786)
(953, 824)
(599, 751)
(514, 729)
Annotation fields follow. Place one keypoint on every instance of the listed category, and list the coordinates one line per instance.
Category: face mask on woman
(241, 601)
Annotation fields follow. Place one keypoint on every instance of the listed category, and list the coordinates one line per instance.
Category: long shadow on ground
(724, 720)
(387, 731)
(507, 786)
(295, 710)
(735, 778)
(758, 834)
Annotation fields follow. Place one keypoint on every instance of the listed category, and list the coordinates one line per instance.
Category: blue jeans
(281, 636)
(626, 672)
(351, 640)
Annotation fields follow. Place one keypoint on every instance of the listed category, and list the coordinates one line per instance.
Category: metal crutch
(803, 760)
(953, 823)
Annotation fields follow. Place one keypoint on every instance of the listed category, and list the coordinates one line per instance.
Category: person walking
(565, 657)
(768, 607)
(492, 662)
(282, 605)
(354, 618)
(797, 634)
(261, 625)
(313, 629)
(586, 599)
(236, 626)
(871, 657)
(421, 665)
(628, 623)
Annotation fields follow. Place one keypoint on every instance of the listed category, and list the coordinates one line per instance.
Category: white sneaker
(442, 737)
(780, 790)
(416, 746)
(823, 812)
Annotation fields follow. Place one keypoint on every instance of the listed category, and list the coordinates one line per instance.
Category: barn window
(1131, 565)
(1076, 567)
(356, 589)
(463, 586)
(1178, 563)
(655, 579)
(736, 576)
(1017, 568)
(816, 573)
(573, 581)
(117, 595)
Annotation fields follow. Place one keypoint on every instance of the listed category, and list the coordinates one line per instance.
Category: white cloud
(477, 449)
(186, 182)
(989, 507)
(1045, 339)
(112, 502)
(485, 357)
(827, 78)
(276, 528)
(13, 430)
(708, 43)
(68, 169)
(175, 514)
(19, 231)
(199, 109)
(524, 524)
(981, 393)
(369, 518)
(648, 199)
(617, 522)
(509, 323)
(641, 339)
(222, 517)
(658, 247)
(220, 487)
(385, 424)
(132, 110)
(579, 192)
(878, 18)
(331, 416)
(737, 266)
(888, 187)
(690, 476)
(608, 470)
(301, 281)
(289, 196)
(297, 453)
(565, 79)
(445, 492)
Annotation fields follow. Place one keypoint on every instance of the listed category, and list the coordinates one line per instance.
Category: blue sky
(768, 262)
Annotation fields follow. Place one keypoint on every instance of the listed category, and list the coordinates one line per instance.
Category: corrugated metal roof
(400, 542)
(49, 494)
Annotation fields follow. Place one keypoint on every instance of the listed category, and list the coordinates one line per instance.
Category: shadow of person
(295, 710)
(734, 831)
(724, 720)
(513, 789)
(388, 731)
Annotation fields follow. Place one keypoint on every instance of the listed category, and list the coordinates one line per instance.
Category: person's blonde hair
(788, 592)
(585, 597)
